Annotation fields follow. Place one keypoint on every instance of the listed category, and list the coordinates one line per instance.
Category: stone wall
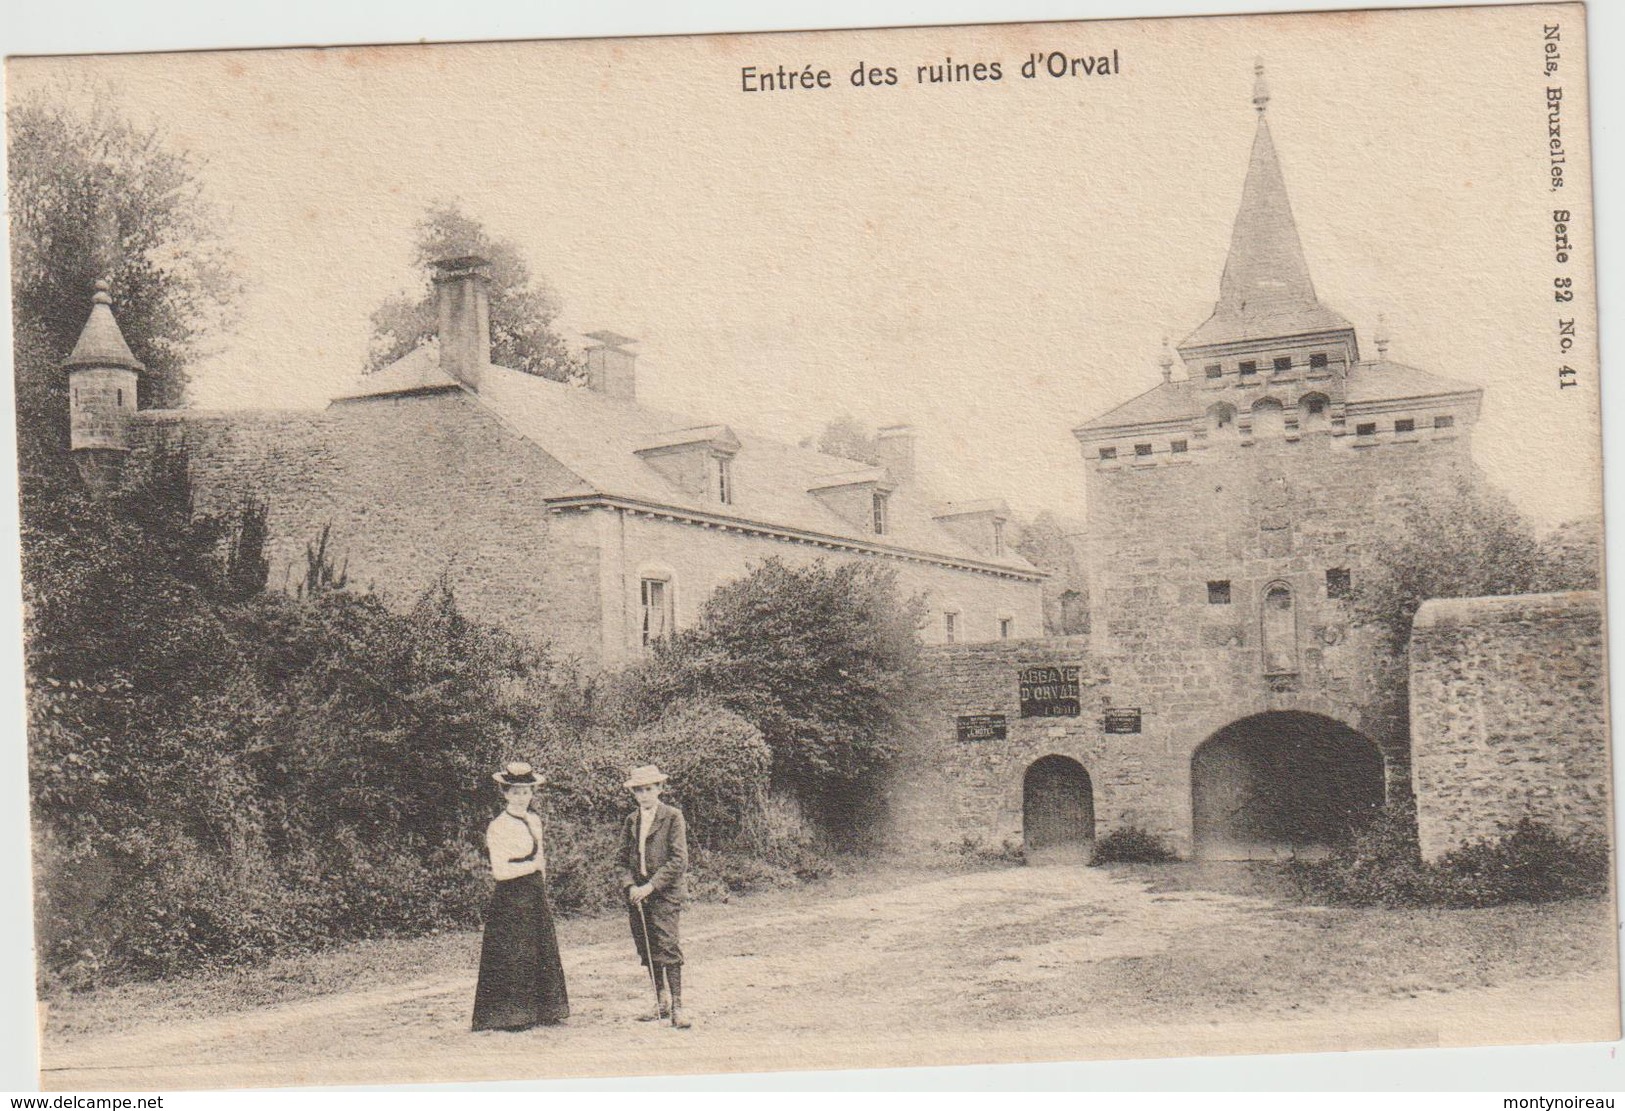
(1509, 716)
(1257, 516)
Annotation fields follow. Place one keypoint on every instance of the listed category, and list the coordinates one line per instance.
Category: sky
(991, 262)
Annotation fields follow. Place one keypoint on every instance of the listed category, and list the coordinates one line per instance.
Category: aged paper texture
(954, 545)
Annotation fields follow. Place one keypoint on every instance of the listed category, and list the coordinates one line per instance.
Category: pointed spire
(101, 343)
(1265, 291)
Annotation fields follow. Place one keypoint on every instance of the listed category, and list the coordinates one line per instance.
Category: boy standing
(654, 866)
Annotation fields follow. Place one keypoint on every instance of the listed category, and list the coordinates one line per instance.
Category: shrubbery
(1527, 862)
(221, 773)
(1130, 845)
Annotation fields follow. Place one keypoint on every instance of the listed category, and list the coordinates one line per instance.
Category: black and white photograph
(856, 549)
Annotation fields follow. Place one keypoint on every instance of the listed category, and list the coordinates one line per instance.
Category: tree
(95, 197)
(523, 307)
(824, 660)
(1472, 544)
(1571, 556)
(1046, 543)
(848, 438)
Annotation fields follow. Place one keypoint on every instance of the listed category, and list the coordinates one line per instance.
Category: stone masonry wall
(1509, 716)
(413, 488)
(1275, 512)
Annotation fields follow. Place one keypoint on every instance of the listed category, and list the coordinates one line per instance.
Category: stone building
(1222, 698)
(573, 514)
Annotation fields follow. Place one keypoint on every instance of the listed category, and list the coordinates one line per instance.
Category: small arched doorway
(1282, 783)
(1057, 805)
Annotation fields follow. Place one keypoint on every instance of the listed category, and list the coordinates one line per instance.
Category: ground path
(1009, 964)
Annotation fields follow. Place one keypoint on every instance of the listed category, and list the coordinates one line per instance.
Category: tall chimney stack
(611, 369)
(463, 309)
(895, 444)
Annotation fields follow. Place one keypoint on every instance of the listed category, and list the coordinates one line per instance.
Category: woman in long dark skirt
(521, 977)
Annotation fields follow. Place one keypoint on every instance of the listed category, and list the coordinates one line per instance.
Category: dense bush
(1130, 845)
(823, 660)
(1527, 862)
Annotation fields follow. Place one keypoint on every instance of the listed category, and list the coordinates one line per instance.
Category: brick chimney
(895, 445)
(611, 369)
(463, 314)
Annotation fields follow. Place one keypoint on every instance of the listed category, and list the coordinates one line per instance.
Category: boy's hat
(645, 776)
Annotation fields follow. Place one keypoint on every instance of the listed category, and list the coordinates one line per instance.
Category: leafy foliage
(1474, 544)
(1130, 845)
(93, 197)
(1526, 861)
(1047, 543)
(823, 659)
(523, 307)
(847, 437)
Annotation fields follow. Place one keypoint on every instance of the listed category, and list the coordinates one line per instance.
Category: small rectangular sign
(1049, 692)
(981, 727)
(1122, 719)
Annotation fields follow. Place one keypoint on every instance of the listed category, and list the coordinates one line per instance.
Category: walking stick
(649, 955)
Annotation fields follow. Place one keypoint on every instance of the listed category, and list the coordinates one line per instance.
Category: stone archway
(1057, 806)
(1281, 783)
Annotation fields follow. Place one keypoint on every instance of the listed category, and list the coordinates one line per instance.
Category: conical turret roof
(1266, 292)
(101, 343)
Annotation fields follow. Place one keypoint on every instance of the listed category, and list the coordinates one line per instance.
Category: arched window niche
(1269, 420)
(1280, 631)
(1221, 419)
(1314, 412)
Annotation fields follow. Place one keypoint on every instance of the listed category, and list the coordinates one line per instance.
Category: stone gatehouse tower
(1223, 699)
(1232, 508)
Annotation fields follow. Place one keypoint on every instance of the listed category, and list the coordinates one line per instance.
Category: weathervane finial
(1261, 91)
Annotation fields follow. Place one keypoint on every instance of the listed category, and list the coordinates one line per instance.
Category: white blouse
(507, 841)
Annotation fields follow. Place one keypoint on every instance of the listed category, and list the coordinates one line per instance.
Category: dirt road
(1015, 964)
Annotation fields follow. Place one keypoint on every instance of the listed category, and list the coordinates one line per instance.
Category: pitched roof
(101, 343)
(597, 438)
(1266, 291)
(1365, 383)
(419, 369)
(1384, 380)
(1167, 401)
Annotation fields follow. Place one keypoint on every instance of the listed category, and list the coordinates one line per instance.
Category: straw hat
(518, 774)
(645, 776)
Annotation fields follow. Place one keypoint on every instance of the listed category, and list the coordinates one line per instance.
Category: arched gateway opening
(1281, 783)
(1057, 806)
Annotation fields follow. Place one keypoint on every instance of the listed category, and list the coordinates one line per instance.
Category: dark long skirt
(521, 977)
(662, 916)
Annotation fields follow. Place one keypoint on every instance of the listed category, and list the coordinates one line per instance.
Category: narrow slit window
(950, 628)
(725, 480)
(1005, 625)
(657, 614)
(880, 514)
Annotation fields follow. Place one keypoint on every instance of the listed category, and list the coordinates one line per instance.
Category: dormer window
(725, 480)
(880, 514)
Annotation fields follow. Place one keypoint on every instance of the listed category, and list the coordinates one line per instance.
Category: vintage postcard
(729, 553)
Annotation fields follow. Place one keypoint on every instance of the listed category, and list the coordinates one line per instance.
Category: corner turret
(103, 377)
